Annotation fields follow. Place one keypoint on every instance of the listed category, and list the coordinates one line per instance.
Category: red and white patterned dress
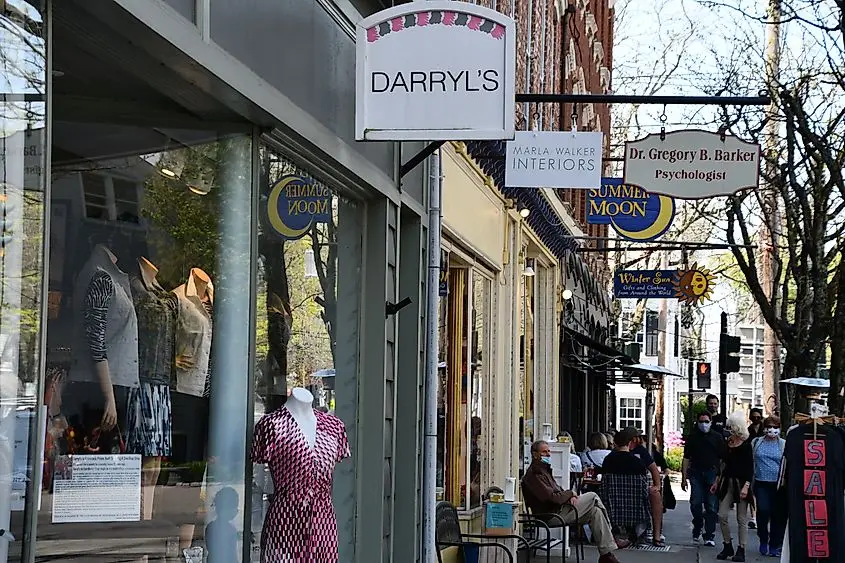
(300, 526)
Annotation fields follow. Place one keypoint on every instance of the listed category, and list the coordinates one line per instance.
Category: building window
(630, 413)
(109, 198)
(463, 427)
(651, 333)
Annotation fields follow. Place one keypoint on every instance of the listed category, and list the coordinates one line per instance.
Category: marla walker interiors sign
(692, 164)
(435, 71)
(554, 159)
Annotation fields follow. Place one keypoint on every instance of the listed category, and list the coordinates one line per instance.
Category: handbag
(669, 500)
(105, 442)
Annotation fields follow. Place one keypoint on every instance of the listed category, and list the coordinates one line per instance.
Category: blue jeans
(703, 504)
(771, 513)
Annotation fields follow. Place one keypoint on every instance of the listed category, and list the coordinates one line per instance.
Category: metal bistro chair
(447, 533)
(533, 522)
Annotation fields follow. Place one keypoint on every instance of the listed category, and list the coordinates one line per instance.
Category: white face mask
(772, 432)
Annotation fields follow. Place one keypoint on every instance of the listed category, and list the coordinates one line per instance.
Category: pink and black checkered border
(435, 17)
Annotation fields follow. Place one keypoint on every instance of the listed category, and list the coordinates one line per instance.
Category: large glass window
(463, 399)
(147, 344)
(297, 368)
(22, 211)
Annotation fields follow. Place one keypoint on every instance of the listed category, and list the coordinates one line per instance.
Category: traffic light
(729, 353)
(703, 375)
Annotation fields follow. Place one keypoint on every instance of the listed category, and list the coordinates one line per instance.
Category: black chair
(534, 522)
(447, 533)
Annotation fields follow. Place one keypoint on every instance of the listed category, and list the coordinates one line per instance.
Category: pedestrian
(655, 496)
(733, 487)
(543, 495)
(755, 430)
(717, 419)
(771, 509)
(703, 452)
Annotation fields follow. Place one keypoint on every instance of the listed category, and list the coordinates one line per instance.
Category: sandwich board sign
(435, 71)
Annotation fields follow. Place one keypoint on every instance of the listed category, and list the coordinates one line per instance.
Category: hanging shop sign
(554, 159)
(296, 204)
(438, 70)
(692, 285)
(632, 212)
(692, 164)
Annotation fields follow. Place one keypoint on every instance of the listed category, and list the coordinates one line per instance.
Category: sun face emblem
(694, 285)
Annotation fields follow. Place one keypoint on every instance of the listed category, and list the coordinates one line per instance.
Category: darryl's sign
(438, 70)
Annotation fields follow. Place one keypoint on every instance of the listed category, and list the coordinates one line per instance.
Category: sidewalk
(678, 531)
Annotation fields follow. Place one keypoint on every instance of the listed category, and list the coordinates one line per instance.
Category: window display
(147, 397)
(297, 440)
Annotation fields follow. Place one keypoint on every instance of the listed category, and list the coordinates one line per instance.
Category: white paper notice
(97, 488)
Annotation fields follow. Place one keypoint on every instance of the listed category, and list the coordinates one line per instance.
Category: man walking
(703, 452)
(718, 420)
(544, 496)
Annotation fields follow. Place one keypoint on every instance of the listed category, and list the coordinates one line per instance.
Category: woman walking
(733, 487)
(771, 510)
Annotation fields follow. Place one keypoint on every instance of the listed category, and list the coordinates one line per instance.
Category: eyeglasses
(767, 427)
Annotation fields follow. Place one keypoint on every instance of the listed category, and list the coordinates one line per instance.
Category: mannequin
(105, 366)
(150, 406)
(190, 386)
(299, 404)
(301, 447)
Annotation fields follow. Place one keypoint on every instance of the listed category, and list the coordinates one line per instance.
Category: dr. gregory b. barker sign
(435, 71)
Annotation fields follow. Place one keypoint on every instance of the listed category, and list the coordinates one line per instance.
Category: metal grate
(653, 548)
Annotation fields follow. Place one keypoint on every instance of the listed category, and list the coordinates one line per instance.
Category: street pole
(690, 406)
(770, 229)
(723, 377)
(429, 485)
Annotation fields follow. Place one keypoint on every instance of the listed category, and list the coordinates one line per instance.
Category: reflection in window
(479, 369)
(295, 338)
(146, 360)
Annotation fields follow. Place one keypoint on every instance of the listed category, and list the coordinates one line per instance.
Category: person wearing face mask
(544, 497)
(771, 509)
(717, 419)
(704, 450)
(733, 487)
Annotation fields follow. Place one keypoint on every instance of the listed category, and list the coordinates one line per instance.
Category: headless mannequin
(299, 405)
(151, 465)
(201, 280)
(104, 376)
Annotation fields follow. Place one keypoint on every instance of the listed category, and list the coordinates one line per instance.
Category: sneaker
(710, 543)
(775, 551)
(696, 538)
(764, 549)
(752, 525)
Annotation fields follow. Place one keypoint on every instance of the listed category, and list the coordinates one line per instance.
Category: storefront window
(464, 321)
(22, 210)
(297, 363)
(147, 344)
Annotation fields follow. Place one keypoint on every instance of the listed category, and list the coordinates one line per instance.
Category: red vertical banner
(815, 453)
(815, 513)
(815, 483)
(818, 546)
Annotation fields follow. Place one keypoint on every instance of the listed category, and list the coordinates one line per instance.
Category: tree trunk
(837, 352)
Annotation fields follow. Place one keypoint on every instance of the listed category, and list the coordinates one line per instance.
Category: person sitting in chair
(545, 497)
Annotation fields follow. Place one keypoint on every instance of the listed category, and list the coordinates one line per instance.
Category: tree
(802, 174)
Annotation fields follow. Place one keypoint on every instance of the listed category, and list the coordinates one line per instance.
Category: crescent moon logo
(660, 224)
(273, 211)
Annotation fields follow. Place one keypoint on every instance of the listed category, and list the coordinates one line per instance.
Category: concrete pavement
(678, 531)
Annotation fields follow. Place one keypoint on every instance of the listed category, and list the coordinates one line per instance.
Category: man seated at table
(630, 458)
(544, 496)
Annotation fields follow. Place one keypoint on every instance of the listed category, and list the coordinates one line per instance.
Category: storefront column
(545, 337)
(410, 388)
(350, 257)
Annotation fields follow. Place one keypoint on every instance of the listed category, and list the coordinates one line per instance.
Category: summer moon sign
(435, 71)
(692, 164)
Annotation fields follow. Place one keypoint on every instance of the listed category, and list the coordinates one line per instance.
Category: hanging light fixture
(524, 212)
(310, 264)
(529, 269)
(567, 294)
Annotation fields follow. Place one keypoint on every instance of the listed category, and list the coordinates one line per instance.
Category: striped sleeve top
(96, 308)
